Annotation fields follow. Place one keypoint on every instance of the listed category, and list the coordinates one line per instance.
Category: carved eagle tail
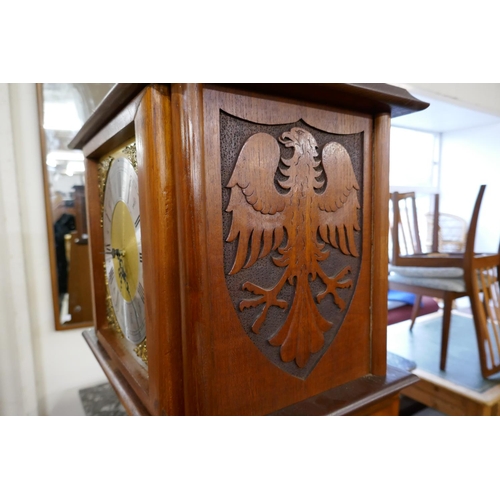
(303, 332)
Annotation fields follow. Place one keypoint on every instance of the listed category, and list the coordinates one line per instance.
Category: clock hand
(122, 274)
(115, 252)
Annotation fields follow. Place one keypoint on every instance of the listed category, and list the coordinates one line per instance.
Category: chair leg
(445, 331)
(415, 309)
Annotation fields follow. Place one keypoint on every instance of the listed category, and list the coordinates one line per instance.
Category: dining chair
(447, 276)
(452, 232)
(481, 279)
(407, 258)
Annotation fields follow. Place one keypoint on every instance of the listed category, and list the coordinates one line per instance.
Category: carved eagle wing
(255, 202)
(338, 217)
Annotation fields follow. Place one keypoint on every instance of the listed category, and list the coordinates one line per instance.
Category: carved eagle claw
(332, 284)
(268, 297)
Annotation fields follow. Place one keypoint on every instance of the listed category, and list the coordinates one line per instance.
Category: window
(414, 166)
(414, 160)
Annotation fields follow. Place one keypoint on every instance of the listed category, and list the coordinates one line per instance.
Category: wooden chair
(405, 231)
(407, 257)
(481, 279)
(448, 277)
(452, 232)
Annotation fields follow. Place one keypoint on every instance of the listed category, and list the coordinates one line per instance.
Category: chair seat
(428, 272)
(446, 284)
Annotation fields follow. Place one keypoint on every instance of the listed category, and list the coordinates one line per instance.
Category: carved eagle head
(301, 140)
(302, 162)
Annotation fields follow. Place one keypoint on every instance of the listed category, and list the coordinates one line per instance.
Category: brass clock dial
(123, 250)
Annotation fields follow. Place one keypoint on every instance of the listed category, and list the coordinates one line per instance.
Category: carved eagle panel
(292, 201)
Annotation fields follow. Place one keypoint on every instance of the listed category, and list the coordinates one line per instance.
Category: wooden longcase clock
(238, 239)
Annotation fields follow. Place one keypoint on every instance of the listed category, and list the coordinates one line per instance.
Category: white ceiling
(442, 116)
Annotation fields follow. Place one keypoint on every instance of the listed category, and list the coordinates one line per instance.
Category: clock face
(122, 247)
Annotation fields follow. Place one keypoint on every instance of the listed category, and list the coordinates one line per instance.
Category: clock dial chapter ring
(123, 251)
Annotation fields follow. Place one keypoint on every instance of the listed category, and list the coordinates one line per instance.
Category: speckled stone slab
(101, 400)
(400, 362)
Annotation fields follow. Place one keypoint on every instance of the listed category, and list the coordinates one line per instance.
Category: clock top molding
(370, 98)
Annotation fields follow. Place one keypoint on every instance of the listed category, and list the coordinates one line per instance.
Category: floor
(409, 407)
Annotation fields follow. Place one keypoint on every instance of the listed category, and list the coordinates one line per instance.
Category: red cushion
(403, 313)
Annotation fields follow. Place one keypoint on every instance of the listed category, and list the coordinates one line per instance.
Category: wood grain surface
(160, 251)
(264, 244)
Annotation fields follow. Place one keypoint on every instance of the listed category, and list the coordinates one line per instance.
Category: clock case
(201, 358)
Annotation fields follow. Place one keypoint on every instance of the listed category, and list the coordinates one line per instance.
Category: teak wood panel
(118, 131)
(225, 372)
(147, 119)
(380, 228)
(160, 250)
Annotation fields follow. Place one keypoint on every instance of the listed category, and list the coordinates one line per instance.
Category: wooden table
(461, 390)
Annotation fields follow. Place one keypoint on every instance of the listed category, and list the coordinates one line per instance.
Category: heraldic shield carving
(292, 209)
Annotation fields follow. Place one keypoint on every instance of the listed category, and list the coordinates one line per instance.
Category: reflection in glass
(64, 109)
